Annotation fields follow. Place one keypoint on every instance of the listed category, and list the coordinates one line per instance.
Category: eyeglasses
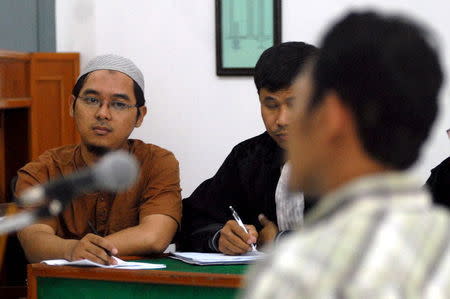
(114, 105)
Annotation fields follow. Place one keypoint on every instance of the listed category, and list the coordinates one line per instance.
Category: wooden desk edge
(139, 276)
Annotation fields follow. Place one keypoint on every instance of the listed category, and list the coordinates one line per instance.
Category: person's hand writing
(234, 240)
(91, 247)
(269, 231)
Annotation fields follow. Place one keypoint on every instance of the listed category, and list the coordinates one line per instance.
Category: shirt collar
(78, 158)
(274, 153)
(364, 187)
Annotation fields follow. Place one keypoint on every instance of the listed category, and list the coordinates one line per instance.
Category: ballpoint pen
(92, 228)
(95, 232)
(241, 224)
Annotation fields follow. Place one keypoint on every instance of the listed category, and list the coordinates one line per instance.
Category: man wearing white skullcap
(107, 103)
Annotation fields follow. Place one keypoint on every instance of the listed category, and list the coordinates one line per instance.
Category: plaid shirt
(377, 237)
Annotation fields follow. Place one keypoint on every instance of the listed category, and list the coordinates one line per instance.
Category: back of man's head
(278, 66)
(386, 71)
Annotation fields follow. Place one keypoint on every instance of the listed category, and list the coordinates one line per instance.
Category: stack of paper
(121, 264)
(198, 258)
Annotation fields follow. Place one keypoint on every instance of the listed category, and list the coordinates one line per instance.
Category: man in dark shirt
(439, 183)
(248, 178)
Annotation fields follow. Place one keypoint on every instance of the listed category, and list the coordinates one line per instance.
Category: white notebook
(198, 258)
(121, 264)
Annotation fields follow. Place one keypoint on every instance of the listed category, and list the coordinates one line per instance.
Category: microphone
(116, 171)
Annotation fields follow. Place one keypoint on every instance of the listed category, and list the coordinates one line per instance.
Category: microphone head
(116, 171)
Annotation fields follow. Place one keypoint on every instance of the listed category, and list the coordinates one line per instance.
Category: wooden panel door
(52, 78)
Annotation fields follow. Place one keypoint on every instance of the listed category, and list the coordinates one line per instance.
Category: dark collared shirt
(246, 180)
(439, 183)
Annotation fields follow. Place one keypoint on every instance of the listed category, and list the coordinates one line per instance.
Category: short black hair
(138, 92)
(278, 66)
(387, 71)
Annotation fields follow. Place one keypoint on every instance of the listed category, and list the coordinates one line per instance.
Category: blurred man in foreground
(364, 108)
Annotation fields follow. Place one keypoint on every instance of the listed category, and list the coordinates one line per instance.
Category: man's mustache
(281, 131)
(103, 125)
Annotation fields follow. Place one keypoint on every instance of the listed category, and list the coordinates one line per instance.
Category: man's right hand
(234, 240)
(92, 247)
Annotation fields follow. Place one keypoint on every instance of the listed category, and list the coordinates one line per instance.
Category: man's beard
(98, 151)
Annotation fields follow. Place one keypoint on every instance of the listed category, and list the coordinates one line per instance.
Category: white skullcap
(115, 63)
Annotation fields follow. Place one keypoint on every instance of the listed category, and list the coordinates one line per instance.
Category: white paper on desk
(198, 258)
(121, 264)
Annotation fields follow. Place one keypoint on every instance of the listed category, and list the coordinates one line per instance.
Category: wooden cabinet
(34, 108)
(34, 116)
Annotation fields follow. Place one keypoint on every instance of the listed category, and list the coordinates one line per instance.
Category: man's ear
(140, 119)
(71, 105)
(338, 115)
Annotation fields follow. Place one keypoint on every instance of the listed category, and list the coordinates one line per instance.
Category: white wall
(194, 113)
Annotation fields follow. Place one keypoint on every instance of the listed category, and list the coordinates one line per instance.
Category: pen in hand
(95, 232)
(241, 224)
(92, 228)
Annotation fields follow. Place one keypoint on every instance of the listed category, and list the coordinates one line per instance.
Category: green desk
(178, 280)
